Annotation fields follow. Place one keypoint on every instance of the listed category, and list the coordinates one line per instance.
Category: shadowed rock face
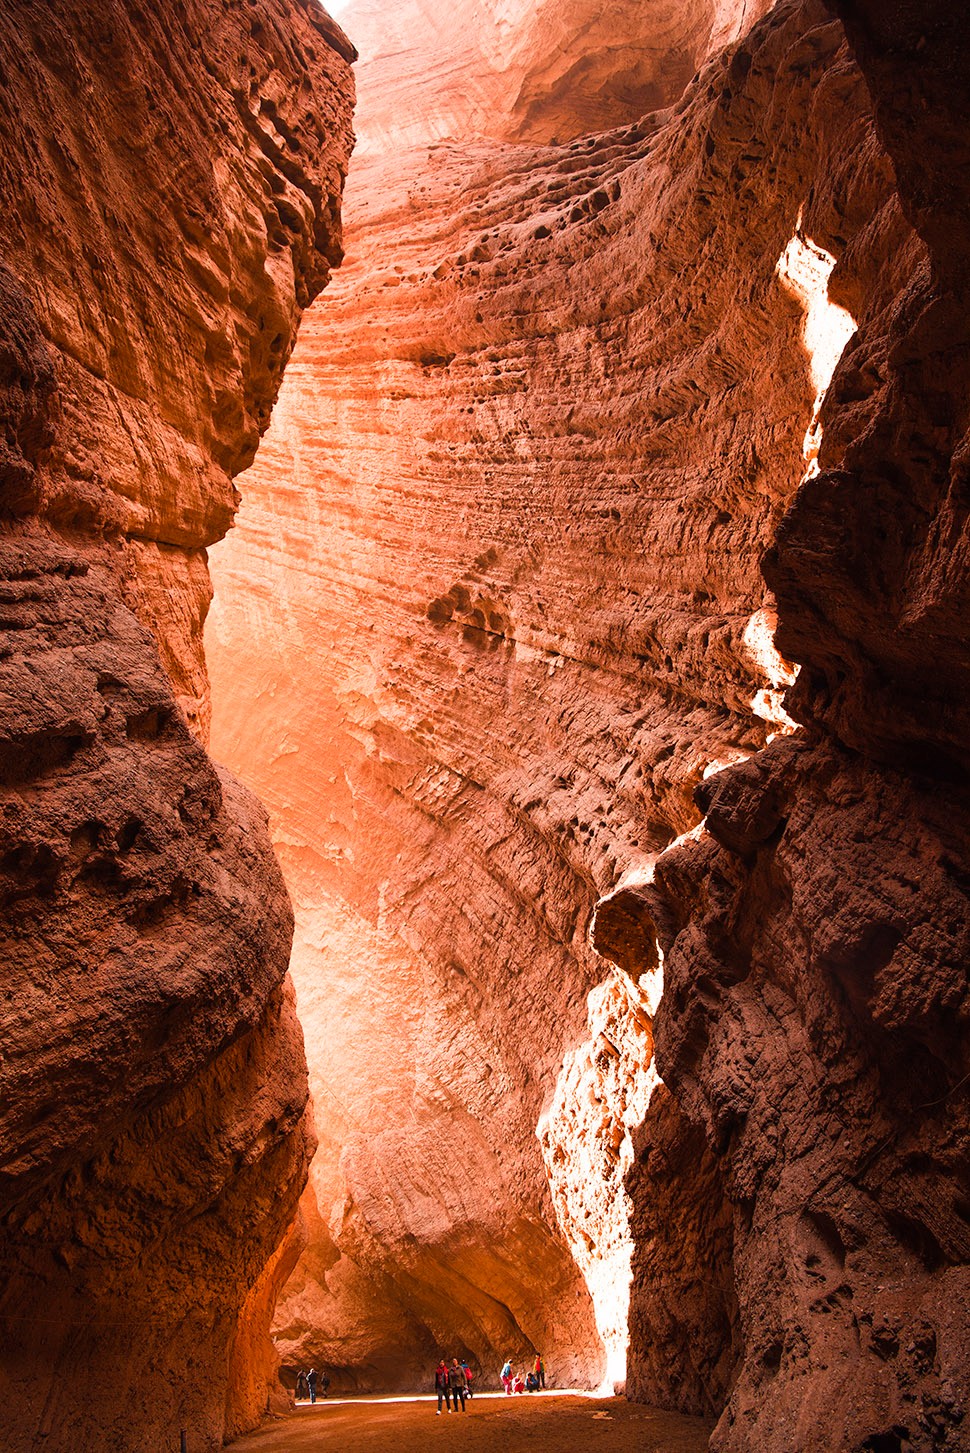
(171, 189)
(812, 1022)
(815, 1013)
(505, 538)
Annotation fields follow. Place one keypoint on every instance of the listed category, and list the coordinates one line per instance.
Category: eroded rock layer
(504, 537)
(171, 188)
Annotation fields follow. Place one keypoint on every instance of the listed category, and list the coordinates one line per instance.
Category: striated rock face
(504, 539)
(169, 325)
(171, 189)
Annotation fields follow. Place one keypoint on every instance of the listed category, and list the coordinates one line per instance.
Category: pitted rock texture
(814, 1021)
(503, 537)
(170, 203)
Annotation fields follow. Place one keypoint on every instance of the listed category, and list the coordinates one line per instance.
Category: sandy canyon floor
(560, 1423)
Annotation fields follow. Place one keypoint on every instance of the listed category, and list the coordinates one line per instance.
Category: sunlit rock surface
(601, 1099)
(528, 70)
(171, 186)
(503, 546)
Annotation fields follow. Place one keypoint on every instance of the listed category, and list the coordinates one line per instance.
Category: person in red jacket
(540, 1370)
(441, 1385)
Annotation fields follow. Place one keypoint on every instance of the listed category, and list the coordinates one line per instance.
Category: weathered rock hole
(128, 835)
(148, 726)
(772, 1355)
(24, 759)
(895, 1441)
(85, 838)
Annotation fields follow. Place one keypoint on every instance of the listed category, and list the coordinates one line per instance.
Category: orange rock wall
(171, 190)
(504, 539)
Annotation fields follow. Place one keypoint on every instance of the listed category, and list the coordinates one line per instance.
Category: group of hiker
(453, 1385)
(535, 1378)
(307, 1382)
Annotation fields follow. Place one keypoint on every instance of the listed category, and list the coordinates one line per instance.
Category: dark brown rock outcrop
(812, 1023)
(171, 188)
(816, 1003)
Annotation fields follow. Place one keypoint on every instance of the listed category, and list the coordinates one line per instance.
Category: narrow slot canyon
(483, 713)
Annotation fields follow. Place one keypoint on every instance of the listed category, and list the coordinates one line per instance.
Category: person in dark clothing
(311, 1382)
(441, 1385)
(325, 1382)
(458, 1383)
(540, 1371)
(302, 1391)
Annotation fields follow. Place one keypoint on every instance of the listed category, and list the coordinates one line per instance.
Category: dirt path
(561, 1423)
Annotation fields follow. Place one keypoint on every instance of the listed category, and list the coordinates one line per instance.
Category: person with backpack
(506, 1376)
(468, 1375)
(457, 1383)
(441, 1385)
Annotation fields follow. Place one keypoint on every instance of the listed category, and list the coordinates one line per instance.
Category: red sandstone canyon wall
(171, 187)
(504, 537)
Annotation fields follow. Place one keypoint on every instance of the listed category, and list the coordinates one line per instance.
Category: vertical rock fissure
(804, 270)
(602, 1095)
